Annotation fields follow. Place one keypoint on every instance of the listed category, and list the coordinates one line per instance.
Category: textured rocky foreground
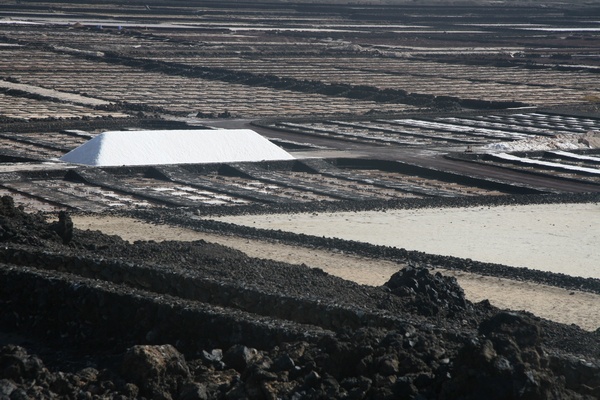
(85, 315)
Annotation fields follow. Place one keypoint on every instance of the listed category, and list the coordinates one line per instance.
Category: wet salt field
(568, 165)
(170, 94)
(470, 130)
(113, 189)
(307, 180)
(285, 62)
(471, 82)
(26, 109)
(314, 83)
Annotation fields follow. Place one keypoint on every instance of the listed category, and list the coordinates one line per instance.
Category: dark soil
(86, 315)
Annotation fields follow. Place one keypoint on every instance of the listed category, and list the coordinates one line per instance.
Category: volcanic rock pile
(97, 317)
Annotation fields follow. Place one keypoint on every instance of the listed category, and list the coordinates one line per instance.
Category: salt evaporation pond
(560, 238)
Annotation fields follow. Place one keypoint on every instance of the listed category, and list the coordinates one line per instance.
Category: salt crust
(525, 160)
(574, 141)
(116, 148)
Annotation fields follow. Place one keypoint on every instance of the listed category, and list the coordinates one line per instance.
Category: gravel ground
(206, 321)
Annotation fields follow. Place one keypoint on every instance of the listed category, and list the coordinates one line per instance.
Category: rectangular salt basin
(560, 238)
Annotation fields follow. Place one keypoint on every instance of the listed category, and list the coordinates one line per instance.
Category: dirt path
(549, 302)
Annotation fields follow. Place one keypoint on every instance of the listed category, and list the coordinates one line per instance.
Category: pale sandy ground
(548, 302)
(554, 237)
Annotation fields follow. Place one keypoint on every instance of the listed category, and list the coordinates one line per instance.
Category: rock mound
(430, 294)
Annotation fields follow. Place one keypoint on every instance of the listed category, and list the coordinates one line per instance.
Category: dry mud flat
(204, 321)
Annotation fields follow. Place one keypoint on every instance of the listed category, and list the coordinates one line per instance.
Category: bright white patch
(540, 143)
(10, 21)
(175, 147)
(525, 160)
(576, 156)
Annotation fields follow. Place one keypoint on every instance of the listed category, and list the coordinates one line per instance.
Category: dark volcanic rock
(18, 366)
(290, 332)
(64, 227)
(430, 294)
(152, 368)
(239, 357)
(24, 376)
(506, 362)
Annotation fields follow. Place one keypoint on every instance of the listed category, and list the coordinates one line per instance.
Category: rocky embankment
(86, 315)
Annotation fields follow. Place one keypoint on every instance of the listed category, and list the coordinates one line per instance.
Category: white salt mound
(117, 148)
